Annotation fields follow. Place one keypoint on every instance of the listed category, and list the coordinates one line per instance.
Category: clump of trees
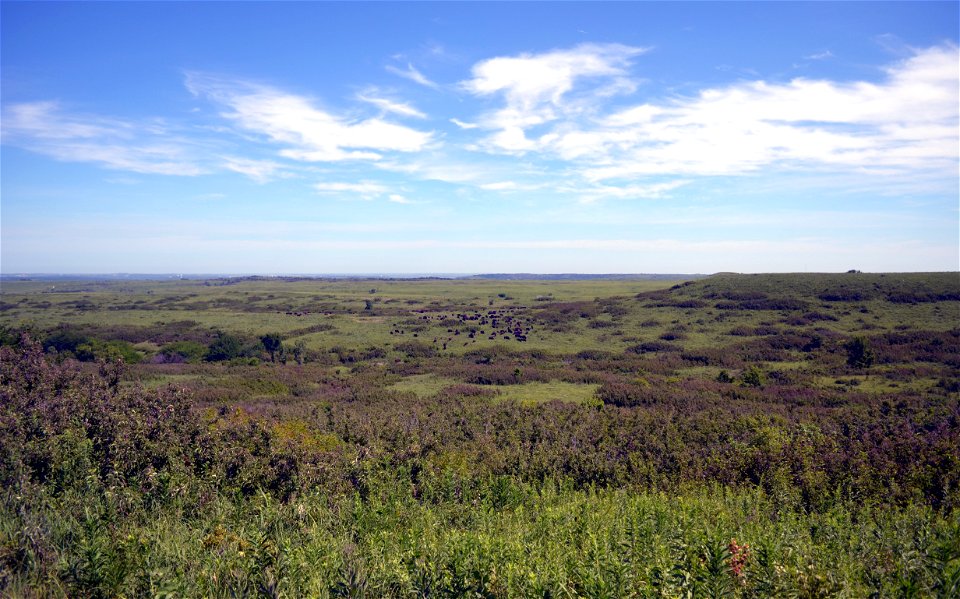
(69, 343)
(227, 346)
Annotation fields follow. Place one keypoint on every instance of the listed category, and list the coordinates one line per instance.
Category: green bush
(65, 341)
(224, 347)
(187, 351)
(753, 377)
(859, 353)
(107, 351)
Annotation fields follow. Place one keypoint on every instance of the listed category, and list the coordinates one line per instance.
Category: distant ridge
(119, 276)
(586, 277)
(233, 278)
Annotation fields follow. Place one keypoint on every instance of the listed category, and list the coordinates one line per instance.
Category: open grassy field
(734, 435)
(359, 313)
(292, 307)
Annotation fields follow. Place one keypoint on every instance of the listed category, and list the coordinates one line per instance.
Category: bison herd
(503, 324)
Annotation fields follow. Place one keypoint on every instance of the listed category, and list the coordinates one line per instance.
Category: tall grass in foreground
(113, 491)
(501, 539)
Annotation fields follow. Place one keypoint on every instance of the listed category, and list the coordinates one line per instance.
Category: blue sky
(479, 137)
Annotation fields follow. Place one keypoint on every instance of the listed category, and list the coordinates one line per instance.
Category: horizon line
(199, 275)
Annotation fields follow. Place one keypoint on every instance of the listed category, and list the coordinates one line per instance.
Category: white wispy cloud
(438, 167)
(261, 171)
(46, 120)
(372, 96)
(142, 147)
(535, 88)
(412, 74)
(308, 132)
(500, 186)
(634, 191)
(819, 55)
(530, 80)
(398, 199)
(363, 187)
(513, 186)
(464, 125)
(557, 109)
(367, 190)
(905, 123)
(470, 172)
(908, 122)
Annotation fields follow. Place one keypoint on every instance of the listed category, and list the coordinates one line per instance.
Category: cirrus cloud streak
(46, 128)
(309, 133)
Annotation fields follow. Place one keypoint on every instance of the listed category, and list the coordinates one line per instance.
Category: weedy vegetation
(730, 436)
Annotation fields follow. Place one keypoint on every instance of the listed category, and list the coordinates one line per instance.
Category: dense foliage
(792, 460)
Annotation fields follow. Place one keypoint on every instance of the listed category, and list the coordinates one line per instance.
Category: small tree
(859, 353)
(299, 349)
(752, 377)
(272, 342)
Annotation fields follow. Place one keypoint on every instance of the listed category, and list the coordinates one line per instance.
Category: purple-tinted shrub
(649, 347)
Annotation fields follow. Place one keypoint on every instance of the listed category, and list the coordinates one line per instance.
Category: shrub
(65, 340)
(183, 351)
(416, 349)
(781, 303)
(224, 347)
(752, 377)
(652, 347)
(595, 354)
(859, 353)
(842, 295)
(108, 351)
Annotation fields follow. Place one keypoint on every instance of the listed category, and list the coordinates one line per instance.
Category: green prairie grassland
(781, 435)
(257, 307)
